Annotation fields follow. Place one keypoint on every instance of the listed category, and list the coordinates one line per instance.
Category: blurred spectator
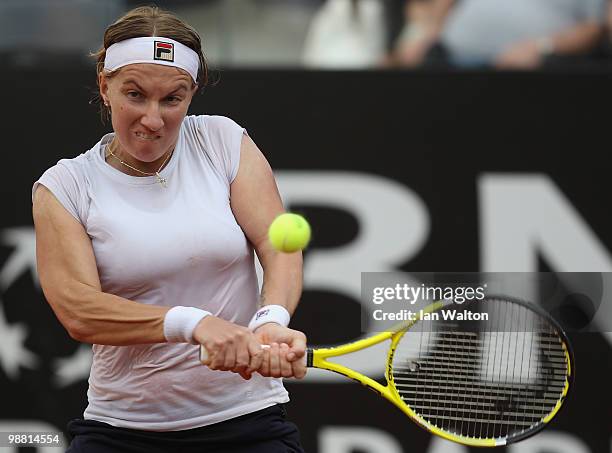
(346, 34)
(250, 33)
(507, 34)
(417, 35)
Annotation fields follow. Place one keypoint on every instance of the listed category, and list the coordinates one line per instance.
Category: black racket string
(473, 381)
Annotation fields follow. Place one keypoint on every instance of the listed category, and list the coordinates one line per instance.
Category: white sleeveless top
(179, 245)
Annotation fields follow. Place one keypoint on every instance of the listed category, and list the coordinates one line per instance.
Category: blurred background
(353, 34)
(419, 135)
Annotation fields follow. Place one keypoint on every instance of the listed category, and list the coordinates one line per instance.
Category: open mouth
(147, 137)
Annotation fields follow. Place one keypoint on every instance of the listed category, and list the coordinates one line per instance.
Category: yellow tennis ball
(289, 233)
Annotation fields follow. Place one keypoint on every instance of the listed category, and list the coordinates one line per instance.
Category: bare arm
(579, 39)
(70, 282)
(438, 12)
(529, 54)
(256, 202)
(412, 52)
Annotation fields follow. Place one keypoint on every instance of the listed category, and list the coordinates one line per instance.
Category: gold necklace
(160, 179)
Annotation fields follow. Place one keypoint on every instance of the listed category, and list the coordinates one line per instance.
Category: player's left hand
(284, 358)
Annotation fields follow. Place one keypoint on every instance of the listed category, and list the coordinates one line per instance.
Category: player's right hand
(230, 347)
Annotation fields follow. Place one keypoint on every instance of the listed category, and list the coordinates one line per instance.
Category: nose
(152, 118)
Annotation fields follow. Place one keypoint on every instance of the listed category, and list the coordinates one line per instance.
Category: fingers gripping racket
(482, 383)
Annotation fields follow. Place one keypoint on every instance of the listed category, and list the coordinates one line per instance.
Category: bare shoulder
(46, 208)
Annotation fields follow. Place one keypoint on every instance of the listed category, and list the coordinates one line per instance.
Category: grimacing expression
(148, 103)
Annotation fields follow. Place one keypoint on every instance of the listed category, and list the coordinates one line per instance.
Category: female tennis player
(145, 249)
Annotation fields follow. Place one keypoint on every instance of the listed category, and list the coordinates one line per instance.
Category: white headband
(155, 50)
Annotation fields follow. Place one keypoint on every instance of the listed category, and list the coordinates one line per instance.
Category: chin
(148, 152)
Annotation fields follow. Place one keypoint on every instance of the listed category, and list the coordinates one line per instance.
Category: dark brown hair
(149, 21)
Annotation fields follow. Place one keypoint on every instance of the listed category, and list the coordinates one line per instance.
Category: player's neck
(126, 163)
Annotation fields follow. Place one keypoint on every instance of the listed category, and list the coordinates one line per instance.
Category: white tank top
(179, 245)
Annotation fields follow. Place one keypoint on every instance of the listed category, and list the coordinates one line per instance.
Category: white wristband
(180, 322)
(270, 313)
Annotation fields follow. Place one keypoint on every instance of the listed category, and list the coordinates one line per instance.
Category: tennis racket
(484, 383)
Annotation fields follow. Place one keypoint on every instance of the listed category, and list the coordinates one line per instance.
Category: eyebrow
(182, 86)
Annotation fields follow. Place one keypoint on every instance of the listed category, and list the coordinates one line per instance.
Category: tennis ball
(289, 233)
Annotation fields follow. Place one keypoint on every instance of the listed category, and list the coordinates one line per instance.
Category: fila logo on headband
(163, 51)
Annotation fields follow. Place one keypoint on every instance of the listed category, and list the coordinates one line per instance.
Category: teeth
(145, 137)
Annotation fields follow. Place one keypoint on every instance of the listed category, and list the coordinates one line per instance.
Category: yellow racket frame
(389, 391)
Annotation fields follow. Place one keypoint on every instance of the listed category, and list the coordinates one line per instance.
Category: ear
(103, 84)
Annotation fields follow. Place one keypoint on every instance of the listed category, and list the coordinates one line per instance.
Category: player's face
(148, 104)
